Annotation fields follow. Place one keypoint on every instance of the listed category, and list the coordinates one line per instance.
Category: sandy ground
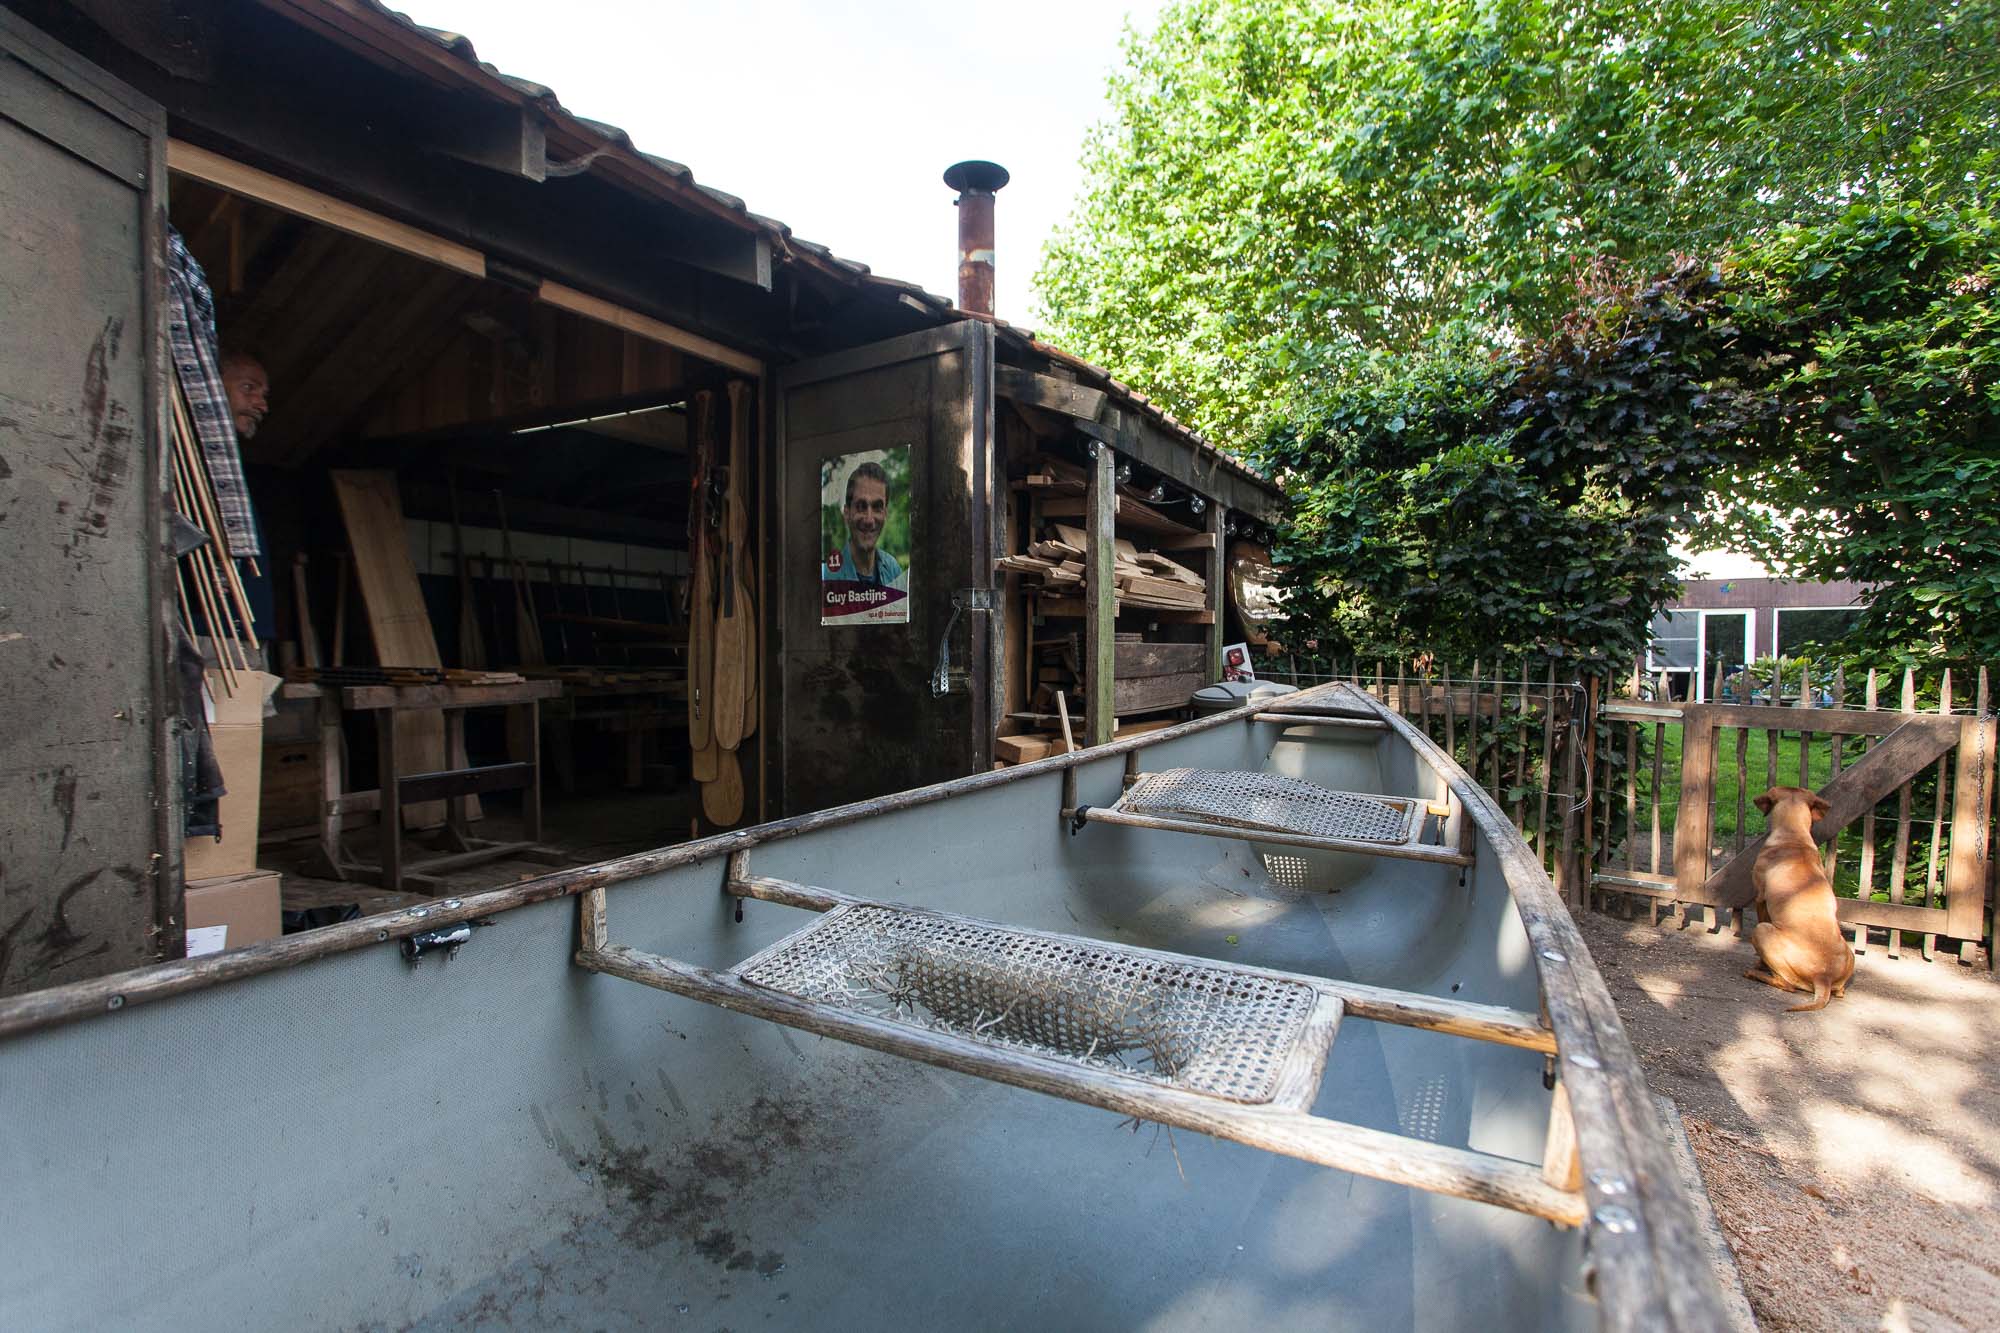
(1853, 1154)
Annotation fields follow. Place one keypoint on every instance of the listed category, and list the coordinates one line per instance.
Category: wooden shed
(586, 428)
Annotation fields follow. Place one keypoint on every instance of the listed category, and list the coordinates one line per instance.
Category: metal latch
(976, 600)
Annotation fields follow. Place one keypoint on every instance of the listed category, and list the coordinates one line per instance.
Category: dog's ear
(1818, 807)
(1764, 803)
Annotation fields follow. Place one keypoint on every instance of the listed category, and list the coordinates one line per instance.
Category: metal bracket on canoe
(1227, 1050)
(449, 939)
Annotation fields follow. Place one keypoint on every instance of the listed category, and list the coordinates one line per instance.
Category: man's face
(866, 510)
(244, 380)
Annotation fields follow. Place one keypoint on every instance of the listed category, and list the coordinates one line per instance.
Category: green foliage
(1286, 188)
(1884, 463)
(1827, 400)
(1463, 504)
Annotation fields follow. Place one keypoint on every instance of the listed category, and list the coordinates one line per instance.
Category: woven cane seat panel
(1209, 1030)
(1268, 801)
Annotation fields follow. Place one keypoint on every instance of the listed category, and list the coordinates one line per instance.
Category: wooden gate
(1943, 892)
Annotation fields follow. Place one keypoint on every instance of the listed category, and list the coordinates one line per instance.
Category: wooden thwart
(1282, 1125)
(1411, 847)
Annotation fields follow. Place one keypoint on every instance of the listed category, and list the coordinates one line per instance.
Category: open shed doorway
(525, 472)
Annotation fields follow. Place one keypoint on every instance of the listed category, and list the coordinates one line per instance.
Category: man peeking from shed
(248, 386)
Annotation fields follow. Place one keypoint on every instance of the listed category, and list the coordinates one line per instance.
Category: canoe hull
(358, 1140)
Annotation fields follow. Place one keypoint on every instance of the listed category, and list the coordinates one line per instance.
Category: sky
(837, 117)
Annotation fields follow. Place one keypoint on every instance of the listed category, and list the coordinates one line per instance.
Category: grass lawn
(1753, 777)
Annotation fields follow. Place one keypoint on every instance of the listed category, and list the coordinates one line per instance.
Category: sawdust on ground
(1852, 1154)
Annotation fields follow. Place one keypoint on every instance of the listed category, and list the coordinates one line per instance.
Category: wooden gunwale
(122, 990)
(1650, 1269)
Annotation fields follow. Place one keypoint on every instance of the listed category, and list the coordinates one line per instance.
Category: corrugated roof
(386, 37)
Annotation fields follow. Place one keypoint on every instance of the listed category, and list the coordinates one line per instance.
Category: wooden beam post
(1101, 594)
(1218, 589)
(1965, 874)
(1692, 819)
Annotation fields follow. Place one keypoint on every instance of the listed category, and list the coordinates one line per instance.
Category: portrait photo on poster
(864, 522)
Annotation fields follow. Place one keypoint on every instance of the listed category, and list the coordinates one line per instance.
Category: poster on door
(864, 525)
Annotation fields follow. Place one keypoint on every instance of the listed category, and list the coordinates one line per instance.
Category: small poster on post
(1236, 664)
(864, 508)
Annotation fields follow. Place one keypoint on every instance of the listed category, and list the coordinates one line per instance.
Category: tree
(1288, 187)
(1828, 399)
(1882, 353)
(1466, 505)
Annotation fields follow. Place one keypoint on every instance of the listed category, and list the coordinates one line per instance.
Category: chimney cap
(975, 175)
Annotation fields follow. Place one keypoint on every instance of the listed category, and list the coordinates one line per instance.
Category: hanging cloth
(191, 340)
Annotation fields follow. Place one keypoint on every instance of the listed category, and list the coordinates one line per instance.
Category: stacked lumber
(398, 675)
(1145, 578)
(1028, 746)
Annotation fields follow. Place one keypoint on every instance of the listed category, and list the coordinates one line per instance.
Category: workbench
(455, 786)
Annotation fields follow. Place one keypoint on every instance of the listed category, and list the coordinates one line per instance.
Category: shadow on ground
(1853, 1154)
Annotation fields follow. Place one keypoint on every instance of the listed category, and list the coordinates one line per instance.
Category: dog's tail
(1822, 992)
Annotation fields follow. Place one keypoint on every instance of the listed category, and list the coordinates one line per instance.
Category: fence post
(1582, 764)
(1965, 879)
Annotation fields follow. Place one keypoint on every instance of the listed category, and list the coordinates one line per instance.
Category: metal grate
(1271, 802)
(1204, 1029)
(1288, 872)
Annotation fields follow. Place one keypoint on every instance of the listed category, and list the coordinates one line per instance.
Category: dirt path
(1853, 1155)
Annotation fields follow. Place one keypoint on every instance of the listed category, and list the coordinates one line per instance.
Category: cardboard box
(246, 907)
(291, 785)
(237, 732)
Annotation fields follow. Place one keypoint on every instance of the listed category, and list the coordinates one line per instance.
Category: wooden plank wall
(540, 357)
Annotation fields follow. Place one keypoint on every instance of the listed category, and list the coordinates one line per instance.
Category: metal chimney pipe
(976, 183)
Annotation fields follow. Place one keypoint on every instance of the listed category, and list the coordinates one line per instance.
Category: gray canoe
(1260, 1022)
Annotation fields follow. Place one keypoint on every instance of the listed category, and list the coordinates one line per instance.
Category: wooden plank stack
(1146, 579)
(371, 507)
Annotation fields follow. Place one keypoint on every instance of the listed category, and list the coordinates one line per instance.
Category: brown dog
(1798, 935)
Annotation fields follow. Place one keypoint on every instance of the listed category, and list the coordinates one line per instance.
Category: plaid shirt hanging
(191, 340)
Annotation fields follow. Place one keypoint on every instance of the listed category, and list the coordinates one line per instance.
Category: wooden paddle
(701, 595)
(722, 798)
(733, 632)
(706, 761)
(740, 402)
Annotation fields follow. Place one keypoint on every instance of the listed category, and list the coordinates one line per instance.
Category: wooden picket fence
(1910, 837)
(1614, 783)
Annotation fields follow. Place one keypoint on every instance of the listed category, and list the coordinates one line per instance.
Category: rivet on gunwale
(1618, 1221)
(115, 1002)
(1607, 1183)
(1555, 956)
(1582, 1061)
